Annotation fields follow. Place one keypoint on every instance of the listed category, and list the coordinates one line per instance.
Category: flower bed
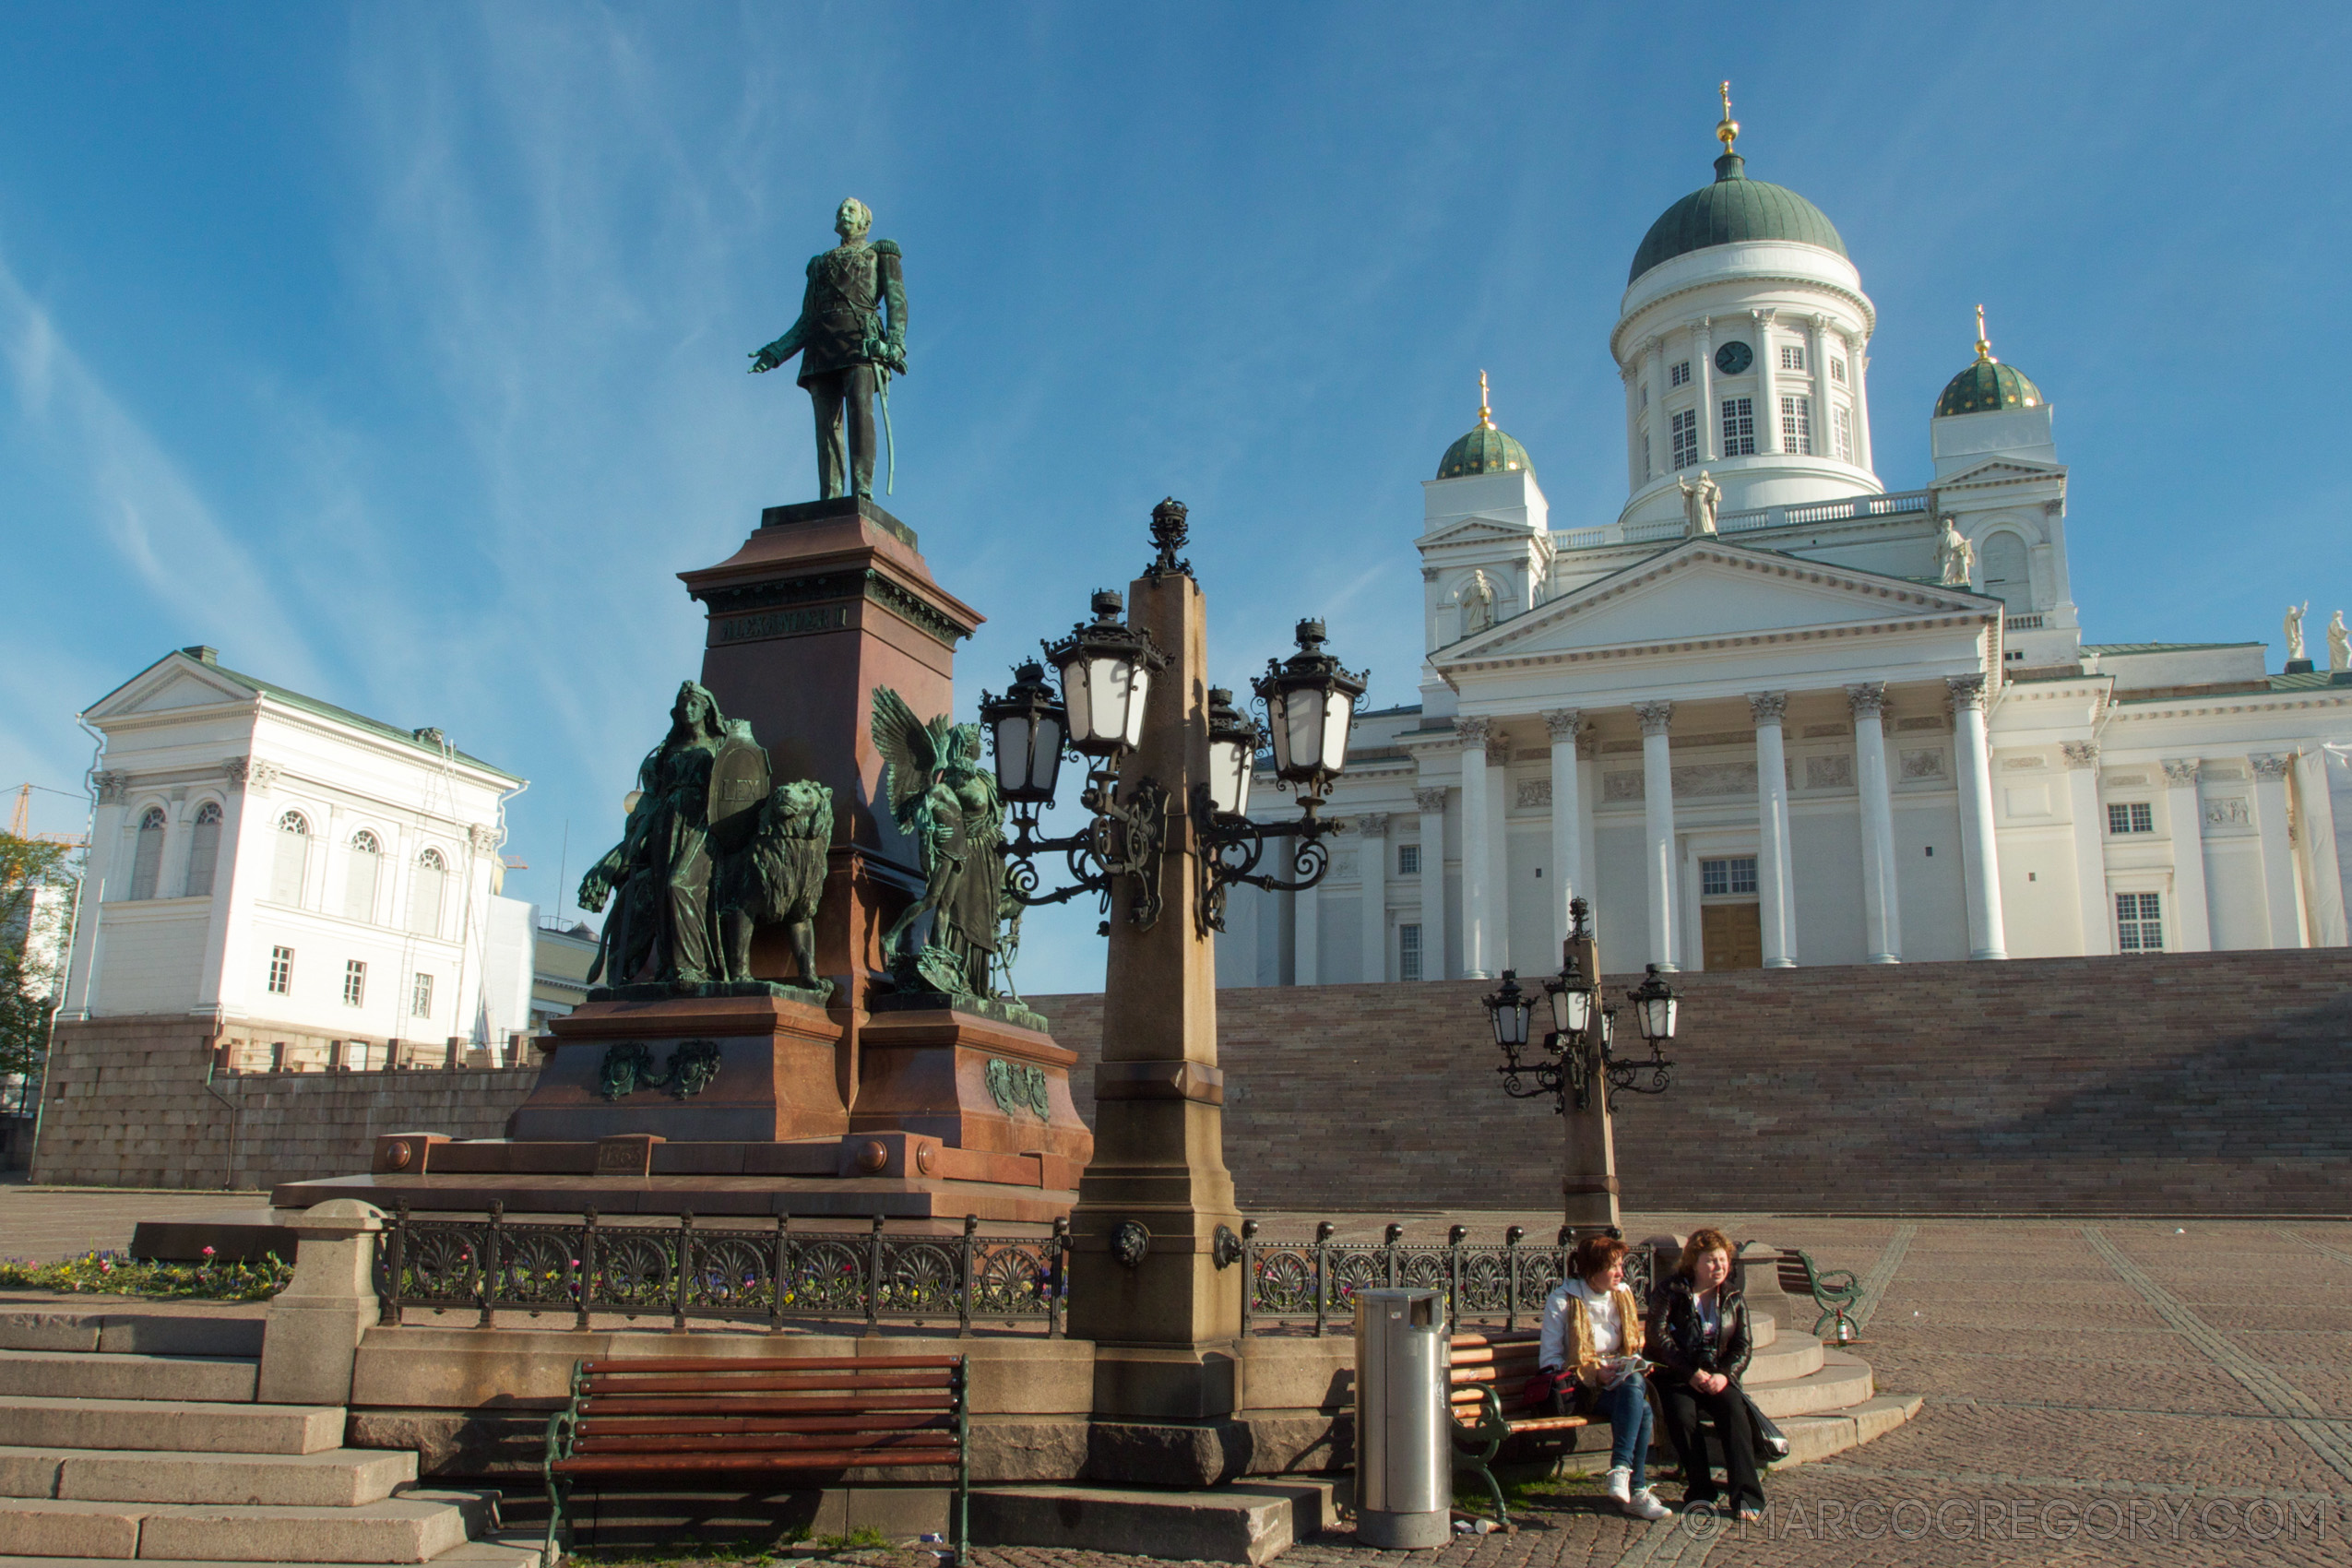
(113, 1274)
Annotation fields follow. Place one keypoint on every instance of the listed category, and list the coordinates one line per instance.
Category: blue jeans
(1627, 1410)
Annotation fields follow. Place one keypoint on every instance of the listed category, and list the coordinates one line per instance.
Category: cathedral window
(2131, 816)
(359, 883)
(354, 983)
(2139, 923)
(1797, 426)
(1408, 859)
(1838, 369)
(1680, 376)
(1686, 437)
(420, 998)
(204, 850)
(289, 868)
(2007, 576)
(1646, 395)
(1735, 874)
(1738, 427)
(282, 971)
(146, 864)
(1842, 429)
(1646, 469)
(1409, 952)
(1792, 356)
(424, 894)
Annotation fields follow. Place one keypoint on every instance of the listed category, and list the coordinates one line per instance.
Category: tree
(37, 878)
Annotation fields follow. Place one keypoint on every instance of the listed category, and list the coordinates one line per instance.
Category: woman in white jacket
(1592, 1347)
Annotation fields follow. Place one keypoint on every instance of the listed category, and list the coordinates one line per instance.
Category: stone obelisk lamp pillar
(1155, 1234)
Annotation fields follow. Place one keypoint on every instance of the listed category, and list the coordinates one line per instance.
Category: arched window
(424, 894)
(2008, 577)
(204, 850)
(148, 862)
(360, 879)
(291, 867)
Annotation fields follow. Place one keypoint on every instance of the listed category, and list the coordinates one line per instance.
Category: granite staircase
(130, 1437)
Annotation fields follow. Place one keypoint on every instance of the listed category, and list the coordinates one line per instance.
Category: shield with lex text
(739, 782)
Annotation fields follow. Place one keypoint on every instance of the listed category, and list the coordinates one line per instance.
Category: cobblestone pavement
(2141, 1392)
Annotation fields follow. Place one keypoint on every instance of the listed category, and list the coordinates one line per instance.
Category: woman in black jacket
(1698, 1337)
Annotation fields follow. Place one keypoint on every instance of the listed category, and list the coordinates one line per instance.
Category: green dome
(1485, 450)
(1988, 387)
(1733, 209)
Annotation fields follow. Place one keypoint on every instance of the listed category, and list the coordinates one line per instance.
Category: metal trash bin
(1403, 1453)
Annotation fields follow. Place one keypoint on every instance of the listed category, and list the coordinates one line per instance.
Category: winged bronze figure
(947, 803)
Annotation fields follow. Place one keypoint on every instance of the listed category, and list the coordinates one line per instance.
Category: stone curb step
(1784, 1362)
(1246, 1523)
(184, 1333)
(76, 1374)
(171, 1426)
(1821, 1435)
(414, 1529)
(335, 1477)
(473, 1554)
(1844, 1379)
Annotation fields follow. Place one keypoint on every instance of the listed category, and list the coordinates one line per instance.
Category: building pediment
(2002, 470)
(1705, 590)
(170, 683)
(1476, 531)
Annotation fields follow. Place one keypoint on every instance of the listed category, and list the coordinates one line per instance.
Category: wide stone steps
(336, 1478)
(182, 1426)
(94, 1375)
(412, 1528)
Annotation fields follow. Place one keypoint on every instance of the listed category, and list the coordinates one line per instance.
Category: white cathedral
(1774, 714)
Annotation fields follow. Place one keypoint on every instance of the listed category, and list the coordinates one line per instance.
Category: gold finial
(1984, 344)
(1728, 131)
(1486, 415)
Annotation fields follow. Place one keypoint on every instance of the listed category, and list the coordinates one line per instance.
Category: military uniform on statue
(800, 1001)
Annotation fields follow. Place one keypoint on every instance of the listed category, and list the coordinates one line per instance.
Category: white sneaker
(1646, 1505)
(1620, 1484)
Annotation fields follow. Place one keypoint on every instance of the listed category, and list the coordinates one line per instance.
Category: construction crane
(21, 823)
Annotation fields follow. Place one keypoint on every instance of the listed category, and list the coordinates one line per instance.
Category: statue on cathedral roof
(1956, 557)
(2339, 644)
(1699, 502)
(2294, 628)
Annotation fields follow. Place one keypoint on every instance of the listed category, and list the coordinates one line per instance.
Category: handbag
(1769, 1438)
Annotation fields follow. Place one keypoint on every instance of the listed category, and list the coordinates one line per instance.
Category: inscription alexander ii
(784, 622)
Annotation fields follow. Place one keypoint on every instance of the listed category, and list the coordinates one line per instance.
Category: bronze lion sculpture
(777, 878)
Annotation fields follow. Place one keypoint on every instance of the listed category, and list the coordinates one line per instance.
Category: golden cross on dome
(1984, 345)
(1486, 415)
(1729, 131)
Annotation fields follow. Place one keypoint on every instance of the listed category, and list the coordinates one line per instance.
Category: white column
(1497, 852)
(1767, 382)
(1654, 421)
(2278, 854)
(1775, 884)
(1306, 928)
(1477, 863)
(1657, 802)
(1371, 860)
(1702, 371)
(2185, 820)
(1857, 364)
(1817, 364)
(1979, 861)
(2318, 815)
(1882, 914)
(2090, 844)
(1567, 814)
(1431, 802)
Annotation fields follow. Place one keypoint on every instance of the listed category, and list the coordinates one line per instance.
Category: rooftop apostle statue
(849, 350)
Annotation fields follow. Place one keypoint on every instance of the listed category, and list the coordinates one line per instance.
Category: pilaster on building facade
(1774, 714)
(281, 885)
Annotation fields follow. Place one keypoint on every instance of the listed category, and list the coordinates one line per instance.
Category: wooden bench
(1832, 1290)
(1488, 1375)
(677, 1420)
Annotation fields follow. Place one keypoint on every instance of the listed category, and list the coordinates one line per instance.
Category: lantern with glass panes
(1105, 668)
(1580, 1047)
(1310, 704)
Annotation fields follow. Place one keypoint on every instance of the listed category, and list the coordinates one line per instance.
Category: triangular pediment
(2002, 470)
(1476, 531)
(1702, 590)
(170, 682)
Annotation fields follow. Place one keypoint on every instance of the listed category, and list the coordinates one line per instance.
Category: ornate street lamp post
(1578, 1067)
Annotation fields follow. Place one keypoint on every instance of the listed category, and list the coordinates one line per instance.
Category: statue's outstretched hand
(763, 361)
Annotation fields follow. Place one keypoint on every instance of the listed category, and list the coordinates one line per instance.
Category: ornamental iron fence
(1311, 1283)
(684, 1271)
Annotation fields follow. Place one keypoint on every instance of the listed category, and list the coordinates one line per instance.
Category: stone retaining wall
(2182, 1084)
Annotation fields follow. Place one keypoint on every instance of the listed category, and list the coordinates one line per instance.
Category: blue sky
(397, 351)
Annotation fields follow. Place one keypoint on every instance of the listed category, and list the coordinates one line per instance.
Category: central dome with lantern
(1741, 338)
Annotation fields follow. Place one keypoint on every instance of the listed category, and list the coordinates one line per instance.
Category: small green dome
(1988, 387)
(1733, 209)
(1485, 450)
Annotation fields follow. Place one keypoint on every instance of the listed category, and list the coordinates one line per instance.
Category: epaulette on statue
(886, 247)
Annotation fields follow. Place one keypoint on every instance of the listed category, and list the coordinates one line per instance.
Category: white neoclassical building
(1774, 713)
(319, 889)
